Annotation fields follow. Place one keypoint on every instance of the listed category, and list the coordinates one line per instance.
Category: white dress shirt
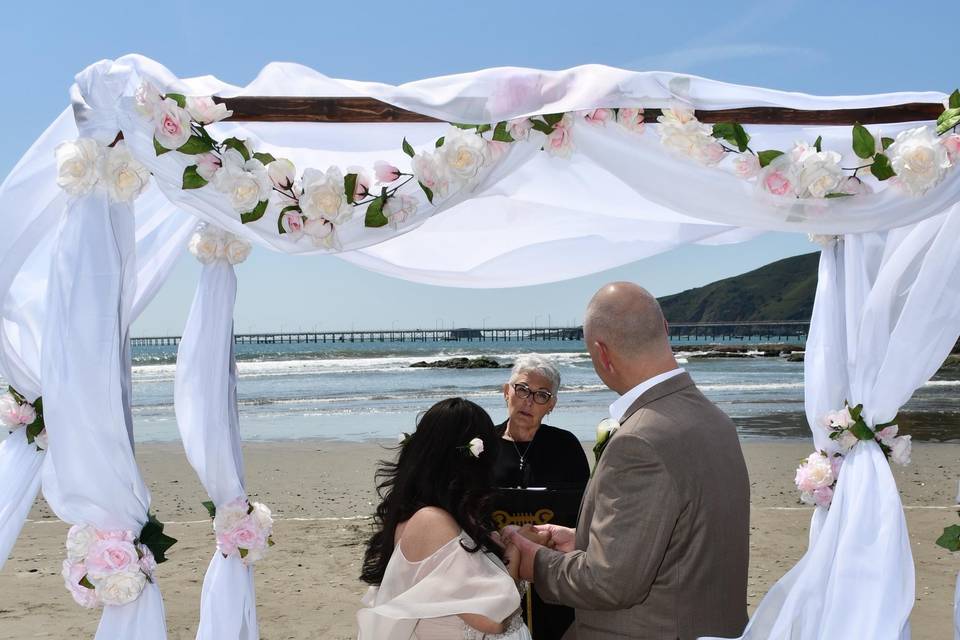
(618, 408)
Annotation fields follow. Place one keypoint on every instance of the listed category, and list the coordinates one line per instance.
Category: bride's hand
(511, 557)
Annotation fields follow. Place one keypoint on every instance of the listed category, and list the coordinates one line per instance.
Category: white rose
(125, 178)
(900, 451)
(746, 166)
(281, 173)
(207, 165)
(323, 195)
(79, 539)
(431, 173)
(205, 246)
(320, 230)
(919, 159)
(9, 411)
(476, 447)
(205, 111)
(147, 100)
(262, 516)
(77, 164)
(709, 151)
(237, 250)
(121, 588)
(817, 473)
(519, 129)
(171, 124)
(230, 515)
(399, 208)
(839, 419)
(463, 153)
(682, 133)
(41, 440)
(245, 183)
(818, 172)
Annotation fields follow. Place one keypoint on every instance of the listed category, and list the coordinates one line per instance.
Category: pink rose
(496, 150)
(519, 129)
(204, 110)
(207, 165)
(631, 119)
(887, 434)
(171, 125)
(814, 473)
(835, 463)
(560, 142)
(109, 555)
(148, 564)
(598, 116)
(710, 152)
(777, 183)
(746, 165)
(292, 222)
(385, 171)
(853, 185)
(952, 144)
(73, 573)
(823, 496)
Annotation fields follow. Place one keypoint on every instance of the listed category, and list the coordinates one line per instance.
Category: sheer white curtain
(887, 313)
(206, 407)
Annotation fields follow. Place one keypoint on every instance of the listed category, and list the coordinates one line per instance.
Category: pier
(679, 333)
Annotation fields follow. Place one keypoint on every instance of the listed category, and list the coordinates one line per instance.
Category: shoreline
(321, 492)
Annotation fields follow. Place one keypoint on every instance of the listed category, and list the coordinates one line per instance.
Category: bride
(435, 563)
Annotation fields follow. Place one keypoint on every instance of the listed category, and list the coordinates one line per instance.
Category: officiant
(538, 456)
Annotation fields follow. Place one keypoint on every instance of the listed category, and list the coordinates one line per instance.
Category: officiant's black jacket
(553, 459)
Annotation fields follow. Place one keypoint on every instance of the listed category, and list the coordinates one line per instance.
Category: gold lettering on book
(540, 516)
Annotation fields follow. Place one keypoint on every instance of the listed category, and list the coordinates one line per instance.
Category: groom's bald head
(627, 318)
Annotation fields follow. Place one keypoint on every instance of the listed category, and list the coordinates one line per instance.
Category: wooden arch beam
(303, 109)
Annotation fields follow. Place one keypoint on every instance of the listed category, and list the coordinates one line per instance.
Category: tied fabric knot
(95, 97)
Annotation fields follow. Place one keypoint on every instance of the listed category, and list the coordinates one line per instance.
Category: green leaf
(483, 128)
(85, 582)
(837, 194)
(155, 539)
(34, 429)
(179, 98)
(886, 142)
(862, 431)
(864, 144)
(552, 118)
(501, 133)
(818, 145)
(541, 126)
(733, 133)
(350, 186)
(950, 540)
(948, 120)
(265, 158)
(407, 149)
(192, 179)
(270, 542)
(195, 145)
(256, 214)
(243, 552)
(375, 217)
(439, 142)
(954, 101)
(159, 148)
(210, 507)
(237, 144)
(881, 168)
(768, 156)
(426, 190)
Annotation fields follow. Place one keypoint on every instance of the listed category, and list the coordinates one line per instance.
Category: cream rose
(245, 183)
(323, 195)
(205, 245)
(79, 539)
(818, 172)
(919, 159)
(121, 588)
(124, 177)
(463, 153)
(236, 250)
(430, 173)
(282, 173)
(77, 165)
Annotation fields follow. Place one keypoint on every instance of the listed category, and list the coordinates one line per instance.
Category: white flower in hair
(476, 447)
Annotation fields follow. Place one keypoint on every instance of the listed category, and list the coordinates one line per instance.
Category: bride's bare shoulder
(425, 532)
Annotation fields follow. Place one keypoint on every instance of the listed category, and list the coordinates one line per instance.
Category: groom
(661, 546)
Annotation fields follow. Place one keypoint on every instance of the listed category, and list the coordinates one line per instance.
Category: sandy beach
(321, 493)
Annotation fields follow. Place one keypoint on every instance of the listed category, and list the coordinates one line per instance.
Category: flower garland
(84, 164)
(242, 528)
(817, 475)
(112, 567)
(16, 413)
(210, 243)
(917, 159)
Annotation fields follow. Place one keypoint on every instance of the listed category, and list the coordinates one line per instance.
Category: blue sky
(813, 46)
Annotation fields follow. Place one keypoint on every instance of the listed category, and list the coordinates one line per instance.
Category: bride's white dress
(421, 600)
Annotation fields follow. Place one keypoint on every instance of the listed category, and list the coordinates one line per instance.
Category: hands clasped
(522, 543)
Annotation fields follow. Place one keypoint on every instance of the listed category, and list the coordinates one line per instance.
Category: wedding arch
(460, 181)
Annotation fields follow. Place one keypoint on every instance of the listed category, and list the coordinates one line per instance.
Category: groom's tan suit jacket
(662, 540)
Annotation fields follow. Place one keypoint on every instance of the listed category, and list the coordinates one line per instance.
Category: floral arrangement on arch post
(16, 413)
(817, 475)
(112, 567)
(242, 528)
(916, 160)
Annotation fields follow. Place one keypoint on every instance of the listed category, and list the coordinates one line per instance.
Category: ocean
(361, 391)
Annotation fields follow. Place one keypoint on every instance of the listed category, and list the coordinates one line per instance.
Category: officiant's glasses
(523, 392)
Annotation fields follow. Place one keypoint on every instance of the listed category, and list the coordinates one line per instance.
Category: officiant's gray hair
(628, 318)
(539, 365)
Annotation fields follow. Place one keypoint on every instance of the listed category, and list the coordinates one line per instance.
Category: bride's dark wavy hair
(435, 469)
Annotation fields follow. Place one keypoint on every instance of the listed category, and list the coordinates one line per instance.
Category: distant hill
(781, 290)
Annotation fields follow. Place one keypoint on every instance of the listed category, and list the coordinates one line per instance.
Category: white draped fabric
(886, 309)
(206, 407)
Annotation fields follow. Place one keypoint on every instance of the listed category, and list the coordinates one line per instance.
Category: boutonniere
(605, 430)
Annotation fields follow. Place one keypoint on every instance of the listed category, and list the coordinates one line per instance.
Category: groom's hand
(560, 538)
(528, 548)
